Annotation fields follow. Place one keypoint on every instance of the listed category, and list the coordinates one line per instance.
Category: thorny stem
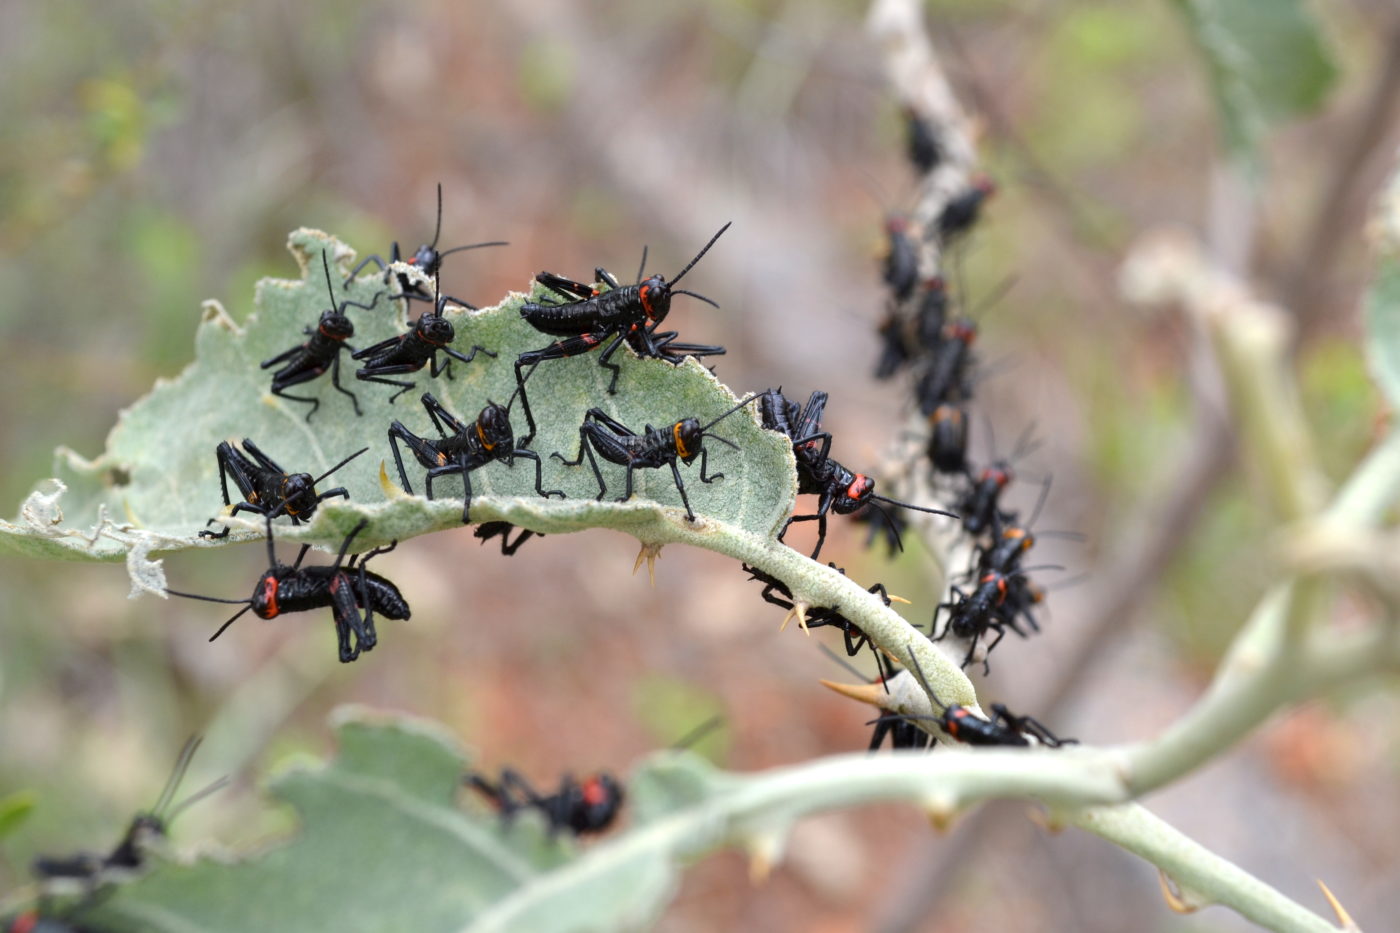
(1273, 661)
(1143, 558)
(755, 812)
(1245, 695)
(1202, 876)
(819, 585)
(1278, 658)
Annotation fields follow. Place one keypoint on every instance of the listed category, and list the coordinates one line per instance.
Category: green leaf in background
(14, 810)
(157, 484)
(384, 845)
(1383, 301)
(1267, 62)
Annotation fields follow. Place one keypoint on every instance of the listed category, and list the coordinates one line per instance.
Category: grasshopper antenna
(729, 412)
(339, 465)
(692, 263)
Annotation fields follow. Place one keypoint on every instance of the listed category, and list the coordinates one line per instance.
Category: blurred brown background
(153, 154)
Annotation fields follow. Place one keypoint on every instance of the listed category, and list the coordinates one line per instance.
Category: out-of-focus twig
(919, 83)
(1357, 174)
(1145, 558)
(916, 895)
(932, 871)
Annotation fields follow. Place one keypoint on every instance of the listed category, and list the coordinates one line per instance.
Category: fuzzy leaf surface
(382, 844)
(388, 839)
(157, 484)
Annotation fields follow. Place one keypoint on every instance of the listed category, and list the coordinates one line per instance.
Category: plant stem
(818, 585)
(756, 812)
(1205, 876)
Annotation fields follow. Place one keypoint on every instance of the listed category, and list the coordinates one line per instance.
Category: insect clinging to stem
(840, 489)
(1004, 728)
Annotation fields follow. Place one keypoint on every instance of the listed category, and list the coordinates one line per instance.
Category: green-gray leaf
(382, 842)
(1383, 300)
(157, 484)
(382, 845)
(1267, 63)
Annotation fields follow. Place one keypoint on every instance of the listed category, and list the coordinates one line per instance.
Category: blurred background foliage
(154, 154)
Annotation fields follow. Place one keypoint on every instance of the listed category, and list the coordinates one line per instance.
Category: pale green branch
(1373, 488)
(1251, 341)
(1252, 687)
(819, 585)
(1203, 876)
(756, 813)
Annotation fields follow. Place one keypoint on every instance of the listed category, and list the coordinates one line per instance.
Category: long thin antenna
(1061, 584)
(1040, 501)
(231, 620)
(730, 411)
(890, 523)
(1022, 571)
(904, 717)
(177, 774)
(458, 249)
(725, 441)
(916, 508)
(846, 665)
(437, 230)
(1026, 444)
(1062, 534)
(991, 436)
(996, 294)
(207, 599)
(339, 465)
(681, 291)
(923, 681)
(330, 290)
(196, 797)
(692, 263)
